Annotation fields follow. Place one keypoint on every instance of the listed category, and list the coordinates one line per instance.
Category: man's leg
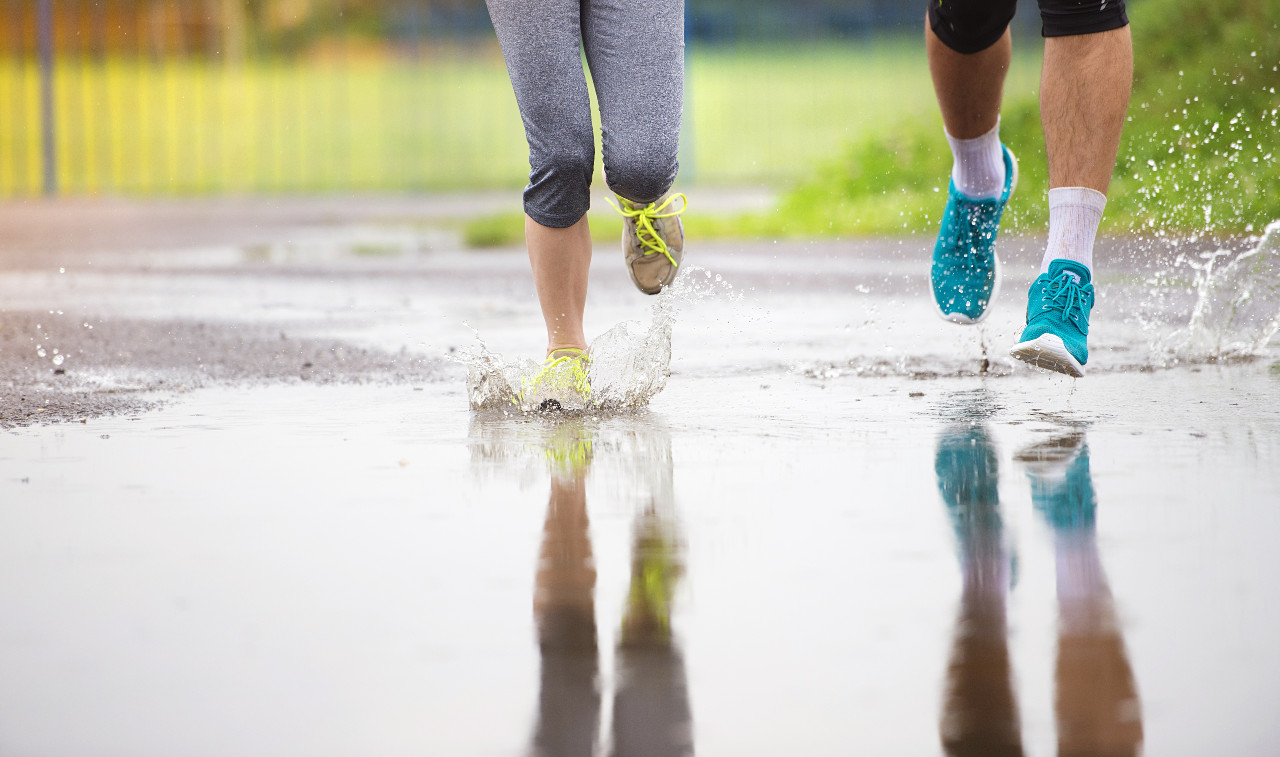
(1084, 94)
(969, 89)
(968, 45)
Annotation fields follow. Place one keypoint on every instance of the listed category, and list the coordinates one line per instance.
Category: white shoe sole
(1047, 351)
(960, 318)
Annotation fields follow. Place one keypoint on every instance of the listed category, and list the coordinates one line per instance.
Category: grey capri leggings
(636, 54)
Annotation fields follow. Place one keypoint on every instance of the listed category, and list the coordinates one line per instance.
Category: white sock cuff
(978, 170)
(1077, 197)
(980, 139)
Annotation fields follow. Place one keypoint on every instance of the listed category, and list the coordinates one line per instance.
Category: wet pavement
(257, 516)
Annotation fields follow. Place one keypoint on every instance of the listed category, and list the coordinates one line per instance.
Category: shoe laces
(651, 243)
(572, 361)
(1065, 295)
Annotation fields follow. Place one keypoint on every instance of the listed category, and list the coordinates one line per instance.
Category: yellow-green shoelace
(573, 361)
(650, 242)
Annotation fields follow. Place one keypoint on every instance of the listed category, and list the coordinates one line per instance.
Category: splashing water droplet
(630, 362)
(1237, 311)
(58, 359)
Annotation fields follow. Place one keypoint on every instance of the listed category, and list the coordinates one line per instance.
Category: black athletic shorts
(969, 26)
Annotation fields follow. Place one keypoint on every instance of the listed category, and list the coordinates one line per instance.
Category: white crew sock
(978, 171)
(1074, 215)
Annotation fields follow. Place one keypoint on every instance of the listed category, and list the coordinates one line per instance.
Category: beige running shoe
(652, 240)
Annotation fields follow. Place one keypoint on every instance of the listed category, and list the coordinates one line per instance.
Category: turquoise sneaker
(965, 276)
(1061, 485)
(1058, 308)
(968, 469)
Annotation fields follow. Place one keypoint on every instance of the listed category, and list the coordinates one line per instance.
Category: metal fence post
(44, 31)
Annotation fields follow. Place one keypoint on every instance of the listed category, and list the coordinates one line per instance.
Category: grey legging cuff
(635, 51)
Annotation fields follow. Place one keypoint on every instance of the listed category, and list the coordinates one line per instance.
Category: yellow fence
(184, 127)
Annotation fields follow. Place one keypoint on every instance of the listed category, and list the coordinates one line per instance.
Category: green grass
(1199, 153)
(771, 115)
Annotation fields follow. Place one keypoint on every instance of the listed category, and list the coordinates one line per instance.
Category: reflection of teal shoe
(1058, 307)
(968, 469)
(1061, 486)
(965, 275)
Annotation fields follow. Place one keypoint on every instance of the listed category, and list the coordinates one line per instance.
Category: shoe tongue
(563, 352)
(1075, 270)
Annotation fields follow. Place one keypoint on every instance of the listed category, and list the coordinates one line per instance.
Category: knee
(559, 188)
(970, 26)
(641, 176)
(1069, 18)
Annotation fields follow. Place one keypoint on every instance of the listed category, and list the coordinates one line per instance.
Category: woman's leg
(561, 259)
(636, 54)
(540, 43)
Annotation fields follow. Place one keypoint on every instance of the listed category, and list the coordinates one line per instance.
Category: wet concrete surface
(838, 530)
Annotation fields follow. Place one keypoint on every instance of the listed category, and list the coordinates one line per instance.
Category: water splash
(630, 362)
(1237, 310)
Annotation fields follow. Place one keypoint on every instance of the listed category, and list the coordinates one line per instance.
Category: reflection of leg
(1097, 705)
(1097, 702)
(564, 605)
(980, 716)
(655, 568)
(651, 715)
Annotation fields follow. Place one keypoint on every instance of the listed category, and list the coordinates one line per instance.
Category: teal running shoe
(1061, 485)
(965, 276)
(968, 469)
(1058, 308)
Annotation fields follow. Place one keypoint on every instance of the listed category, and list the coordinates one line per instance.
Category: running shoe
(1058, 308)
(562, 383)
(968, 469)
(1061, 486)
(965, 275)
(652, 240)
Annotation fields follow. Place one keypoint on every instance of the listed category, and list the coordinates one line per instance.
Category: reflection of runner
(651, 716)
(636, 55)
(1084, 93)
(980, 715)
(1097, 706)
